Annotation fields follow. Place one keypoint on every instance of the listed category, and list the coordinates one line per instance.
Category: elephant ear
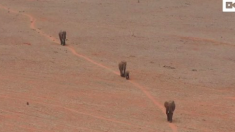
(166, 104)
(173, 105)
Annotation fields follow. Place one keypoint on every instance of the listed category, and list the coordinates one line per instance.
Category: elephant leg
(120, 72)
(170, 117)
(127, 76)
(61, 42)
(61, 38)
(123, 74)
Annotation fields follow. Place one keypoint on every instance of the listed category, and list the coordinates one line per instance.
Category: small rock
(169, 67)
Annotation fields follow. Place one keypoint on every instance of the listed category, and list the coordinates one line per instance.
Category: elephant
(127, 75)
(170, 107)
(62, 35)
(122, 68)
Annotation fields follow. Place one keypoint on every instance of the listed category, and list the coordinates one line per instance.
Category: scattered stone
(27, 103)
(187, 4)
(133, 35)
(194, 69)
(169, 67)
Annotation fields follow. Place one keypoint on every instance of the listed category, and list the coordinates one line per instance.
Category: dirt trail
(143, 89)
(175, 50)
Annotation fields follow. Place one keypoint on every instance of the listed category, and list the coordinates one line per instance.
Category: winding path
(140, 87)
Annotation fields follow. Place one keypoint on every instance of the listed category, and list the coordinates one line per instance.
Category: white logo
(228, 5)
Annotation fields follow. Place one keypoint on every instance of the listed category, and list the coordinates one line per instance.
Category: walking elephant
(170, 107)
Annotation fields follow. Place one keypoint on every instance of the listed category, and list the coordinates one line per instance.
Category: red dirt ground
(175, 50)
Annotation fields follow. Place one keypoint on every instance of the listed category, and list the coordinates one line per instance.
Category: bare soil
(175, 50)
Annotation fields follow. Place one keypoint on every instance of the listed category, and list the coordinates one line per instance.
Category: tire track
(143, 89)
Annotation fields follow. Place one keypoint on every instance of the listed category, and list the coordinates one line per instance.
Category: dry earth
(181, 50)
